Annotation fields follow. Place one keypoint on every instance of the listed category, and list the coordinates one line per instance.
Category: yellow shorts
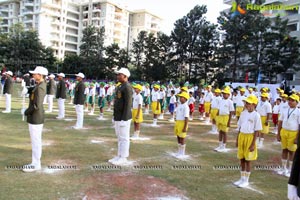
(213, 113)
(207, 107)
(239, 110)
(244, 143)
(222, 121)
(179, 125)
(154, 106)
(287, 139)
(265, 129)
(134, 114)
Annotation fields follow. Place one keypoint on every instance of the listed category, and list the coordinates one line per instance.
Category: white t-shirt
(275, 109)
(138, 100)
(155, 95)
(235, 99)
(191, 100)
(173, 100)
(162, 94)
(92, 92)
(147, 92)
(109, 91)
(263, 108)
(283, 106)
(201, 100)
(249, 122)
(169, 92)
(215, 102)
(208, 97)
(87, 90)
(102, 92)
(182, 111)
(225, 107)
(240, 100)
(290, 119)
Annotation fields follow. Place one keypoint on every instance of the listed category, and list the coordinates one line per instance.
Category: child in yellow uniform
(181, 125)
(225, 112)
(240, 103)
(155, 106)
(288, 127)
(214, 110)
(137, 114)
(249, 126)
(264, 109)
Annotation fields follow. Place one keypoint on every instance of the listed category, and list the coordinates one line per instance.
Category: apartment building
(60, 22)
(143, 20)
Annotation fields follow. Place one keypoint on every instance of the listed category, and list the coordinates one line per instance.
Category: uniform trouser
(8, 102)
(61, 107)
(295, 173)
(79, 113)
(35, 131)
(50, 102)
(122, 129)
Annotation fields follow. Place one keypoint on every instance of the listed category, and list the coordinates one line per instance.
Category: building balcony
(71, 42)
(28, 4)
(72, 34)
(71, 49)
(72, 26)
(55, 31)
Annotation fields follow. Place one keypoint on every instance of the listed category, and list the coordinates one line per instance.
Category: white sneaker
(171, 120)
(154, 125)
(6, 111)
(213, 132)
(222, 149)
(86, 110)
(287, 173)
(48, 111)
(31, 168)
(100, 118)
(77, 128)
(243, 184)
(191, 119)
(218, 148)
(59, 117)
(160, 117)
(237, 183)
(90, 113)
(120, 161)
(201, 118)
(207, 122)
(282, 171)
(114, 159)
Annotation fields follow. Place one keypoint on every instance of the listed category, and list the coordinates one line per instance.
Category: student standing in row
(35, 117)
(61, 95)
(7, 91)
(137, 112)
(79, 100)
(51, 87)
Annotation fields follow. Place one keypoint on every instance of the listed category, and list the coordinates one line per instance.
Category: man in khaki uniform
(122, 116)
(7, 91)
(51, 87)
(79, 100)
(35, 118)
(61, 95)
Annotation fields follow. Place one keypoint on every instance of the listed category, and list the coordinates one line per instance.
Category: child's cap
(294, 97)
(138, 86)
(184, 95)
(184, 89)
(156, 86)
(217, 90)
(101, 83)
(252, 99)
(242, 90)
(266, 95)
(226, 91)
(284, 96)
(250, 89)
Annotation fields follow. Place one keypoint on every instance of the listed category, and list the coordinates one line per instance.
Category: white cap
(80, 75)
(61, 74)
(52, 76)
(40, 70)
(124, 71)
(9, 73)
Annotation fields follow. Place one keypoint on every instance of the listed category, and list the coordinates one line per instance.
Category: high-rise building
(143, 20)
(60, 23)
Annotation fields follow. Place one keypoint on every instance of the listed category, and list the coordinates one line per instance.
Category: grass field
(88, 150)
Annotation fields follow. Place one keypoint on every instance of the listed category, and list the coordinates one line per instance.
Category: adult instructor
(35, 117)
(122, 116)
